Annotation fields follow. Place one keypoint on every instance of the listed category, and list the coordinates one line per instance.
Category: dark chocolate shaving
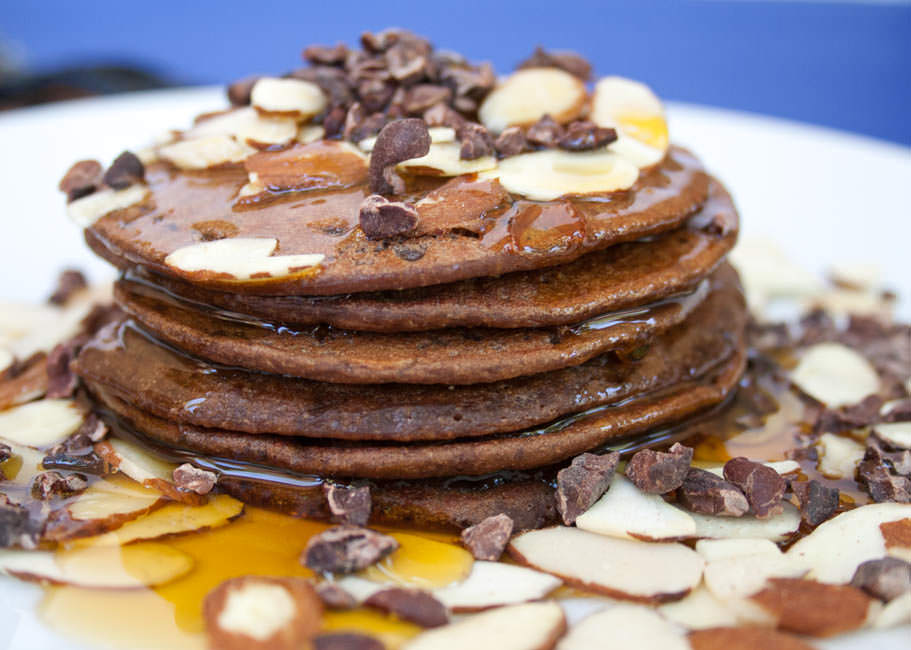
(817, 501)
(886, 578)
(239, 92)
(188, 478)
(51, 485)
(476, 141)
(69, 282)
(584, 136)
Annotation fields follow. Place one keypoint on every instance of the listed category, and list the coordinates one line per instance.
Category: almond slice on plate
(897, 434)
(628, 513)
(838, 455)
(6, 359)
(767, 273)
(205, 152)
(745, 638)
(41, 424)
(737, 577)
(240, 258)
(443, 159)
(247, 126)
(288, 98)
(700, 610)
(626, 626)
(896, 612)
(633, 109)
(530, 626)
(144, 468)
(528, 95)
(777, 528)
(835, 375)
(86, 211)
(493, 584)
(720, 549)
(619, 568)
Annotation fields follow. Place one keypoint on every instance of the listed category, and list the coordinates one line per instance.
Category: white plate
(825, 196)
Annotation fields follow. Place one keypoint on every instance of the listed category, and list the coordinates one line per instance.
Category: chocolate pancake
(620, 277)
(130, 365)
(509, 233)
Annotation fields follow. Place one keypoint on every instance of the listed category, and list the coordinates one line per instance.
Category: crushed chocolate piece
(546, 132)
(239, 92)
(488, 538)
(442, 115)
(348, 505)
(898, 462)
(763, 486)
(882, 485)
(62, 381)
(325, 54)
(17, 527)
(77, 453)
(469, 82)
(381, 41)
(398, 141)
(49, 485)
(899, 411)
(382, 219)
(816, 327)
(476, 141)
(334, 597)
(581, 484)
(99, 316)
(346, 641)
(333, 82)
(708, 494)
(192, 479)
(414, 605)
(583, 135)
(346, 549)
(570, 62)
(511, 142)
(658, 472)
(409, 253)
(366, 128)
(886, 578)
(375, 94)
(409, 60)
(855, 416)
(127, 169)
(93, 428)
(334, 122)
(69, 282)
(83, 178)
(817, 501)
(422, 97)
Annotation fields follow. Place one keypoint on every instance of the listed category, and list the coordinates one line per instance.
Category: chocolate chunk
(374, 94)
(346, 641)
(476, 142)
(93, 428)
(511, 142)
(69, 282)
(708, 494)
(886, 578)
(898, 462)
(581, 484)
(408, 61)
(855, 416)
(545, 132)
(487, 539)
(421, 97)
(49, 485)
(334, 122)
(239, 91)
(442, 115)
(584, 136)
(99, 316)
(763, 486)
(83, 178)
(899, 411)
(382, 41)
(192, 479)
(346, 549)
(881, 484)
(127, 169)
(348, 505)
(325, 54)
(62, 381)
(334, 597)
(398, 141)
(365, 128)
(17, 528)
(77, 453)
(657, 472)
(381, 218)
(413, 605)
(568, 61)
(469, 82)
(817, 501)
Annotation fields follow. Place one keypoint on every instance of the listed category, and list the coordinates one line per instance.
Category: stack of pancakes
(453, 369)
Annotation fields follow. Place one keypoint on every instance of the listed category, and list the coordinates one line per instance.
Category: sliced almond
(632, 108)
(719, 549)
(247, 126)
(41, 424)
(310, 133)
(528, 95)
(626, 626)
(89, 209)
(628, 513)
(240, 259)
(896, 612)
(288, 97)
(745, 638)
(620, 568)
(897, 434)
(205, 152)
(740, 576)
(548, 175)
(838, 455)
(767, 273)
(833, 551)
(700, 610)
(776, 528)
(26, 386)
(131, 567)
(845, 302)
(104, 506)
(494, 584)
(443, 159)
(6, 360)
(835, 375)
(144, 468)
(530, 626)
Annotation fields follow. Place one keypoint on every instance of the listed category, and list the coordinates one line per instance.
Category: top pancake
(508, 233)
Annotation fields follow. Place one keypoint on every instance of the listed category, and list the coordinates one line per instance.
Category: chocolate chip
(467, 81)
(346, 641)
(898, 462)
(421, 97)
(476, 142)
(382, 219)
(658, 472)
(488, 539)
(365, 127)
(886, 578)
(62, 381)
(325, 54)
(346, 549)
(413, 605)
(334, 122)
(382, 41)
(545, 132)
(398, 141)
(49, 485)
(511, 142)
(442, 115)
(374, 94)
(334, 596)
(17, 527)
(581, 484)
(817, 501)
(584, 136)
(127, 169)
(348, 505)
(709, 494)
(881, 484)
(855, 416)
(69, 282)
(239, 91)
(188, 478)
(568, 61)
(409, 253)
(92, 428)
(83, 178)
(763, 486)
(408, 61)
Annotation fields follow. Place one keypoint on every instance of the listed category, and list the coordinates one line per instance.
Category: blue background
(840, 64)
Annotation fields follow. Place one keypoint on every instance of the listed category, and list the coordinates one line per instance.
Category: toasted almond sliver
(41, 424)
(248, 126)
(838, 455)
(700, 610)
(897, 434)
(296, 97)
(89, 209)
(835, 375)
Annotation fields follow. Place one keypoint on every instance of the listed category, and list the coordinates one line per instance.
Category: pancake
(513, 234)
(620, 277)
(130, 365)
